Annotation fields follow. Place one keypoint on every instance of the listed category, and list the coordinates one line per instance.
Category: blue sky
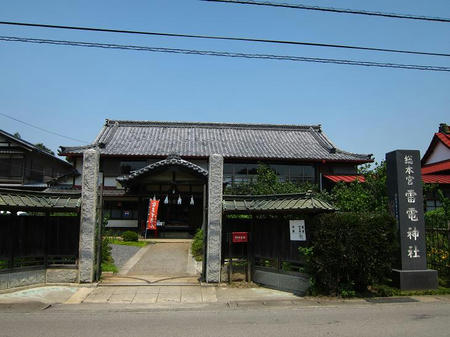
(71, 90)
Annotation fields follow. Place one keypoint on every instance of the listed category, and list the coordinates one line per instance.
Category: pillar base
(415, 279)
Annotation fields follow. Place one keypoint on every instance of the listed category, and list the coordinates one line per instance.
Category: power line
(225, 54)
(335, 10)
(42, 129)
(226, 38)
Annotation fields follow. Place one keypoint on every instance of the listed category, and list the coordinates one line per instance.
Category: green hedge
(436, 218)
(129, 236)
(197, 246)
(436, 223)
(350, 251)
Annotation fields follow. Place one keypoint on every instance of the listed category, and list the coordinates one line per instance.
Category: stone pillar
(214, 239)
(404, 183)
(88, 218)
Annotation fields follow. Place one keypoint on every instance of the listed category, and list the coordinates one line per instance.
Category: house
(436, 166)
(169, 161)
(25, 166)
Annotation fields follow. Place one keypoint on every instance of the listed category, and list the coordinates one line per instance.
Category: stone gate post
(214, 238)
(88, 218)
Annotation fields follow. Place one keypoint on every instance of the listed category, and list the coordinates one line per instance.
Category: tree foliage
(44, 148)
(370, 196)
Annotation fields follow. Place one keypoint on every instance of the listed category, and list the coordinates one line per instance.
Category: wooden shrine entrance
(180, 187)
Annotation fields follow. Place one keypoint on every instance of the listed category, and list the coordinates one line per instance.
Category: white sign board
(297, 230)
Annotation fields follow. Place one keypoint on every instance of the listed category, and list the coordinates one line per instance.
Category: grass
(197, 246)
(129, 243)
(384, 290)
(109, 267)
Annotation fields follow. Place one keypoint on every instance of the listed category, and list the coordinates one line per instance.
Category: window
(431, 205)
(126, 167)
(238, 173)
(120, 210)
(301, 173)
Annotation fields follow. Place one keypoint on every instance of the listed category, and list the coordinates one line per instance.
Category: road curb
(79, 296)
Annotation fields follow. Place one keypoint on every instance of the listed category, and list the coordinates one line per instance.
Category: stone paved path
(121, 254)
(163, 262)
(166, 260)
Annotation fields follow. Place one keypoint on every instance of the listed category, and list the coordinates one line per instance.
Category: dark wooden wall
(27, 241)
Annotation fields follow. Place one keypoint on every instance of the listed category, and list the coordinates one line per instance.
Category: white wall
(122, 223)
(79, 167)
(440, 153)
(110, 182)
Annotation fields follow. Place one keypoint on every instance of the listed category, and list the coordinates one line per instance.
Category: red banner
(152, 214)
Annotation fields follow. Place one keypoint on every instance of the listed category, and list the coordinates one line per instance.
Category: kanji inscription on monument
(404, 183)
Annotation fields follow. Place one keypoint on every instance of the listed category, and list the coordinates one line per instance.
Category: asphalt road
(406, 319)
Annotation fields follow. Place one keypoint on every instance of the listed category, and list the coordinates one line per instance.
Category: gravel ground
(121, 254)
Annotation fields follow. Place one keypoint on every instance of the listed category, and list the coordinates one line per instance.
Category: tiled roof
(436, 178)
(199, 140)
(436, 167)
(274, 203)
(170, 161)
(345, 179)
(15, 200)
(32, 147)
(444, 138)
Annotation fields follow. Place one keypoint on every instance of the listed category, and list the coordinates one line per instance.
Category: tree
(44, 148)
(370, 196)
(38, 145)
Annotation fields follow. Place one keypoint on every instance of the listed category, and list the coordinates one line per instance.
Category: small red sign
(152, 214)
(239, 237)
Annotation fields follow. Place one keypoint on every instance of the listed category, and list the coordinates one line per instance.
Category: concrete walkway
(152, 295)
(162, 261)
(173, 297)
(199, 294)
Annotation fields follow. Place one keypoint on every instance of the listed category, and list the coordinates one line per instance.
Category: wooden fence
(29, 241)
(269, 244)
(438, 248)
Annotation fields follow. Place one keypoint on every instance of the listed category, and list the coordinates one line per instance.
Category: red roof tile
(346, 179)
(436, 178)
(436, 167)
(444, 138)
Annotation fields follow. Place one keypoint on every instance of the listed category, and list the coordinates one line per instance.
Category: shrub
(384, 290)
(129, 236)
(349, 252)
(436, 218)
(106, 249)
(107, 259)
(436, 222)
(197, 245)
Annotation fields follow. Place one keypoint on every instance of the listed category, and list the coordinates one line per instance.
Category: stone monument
(404, 184)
